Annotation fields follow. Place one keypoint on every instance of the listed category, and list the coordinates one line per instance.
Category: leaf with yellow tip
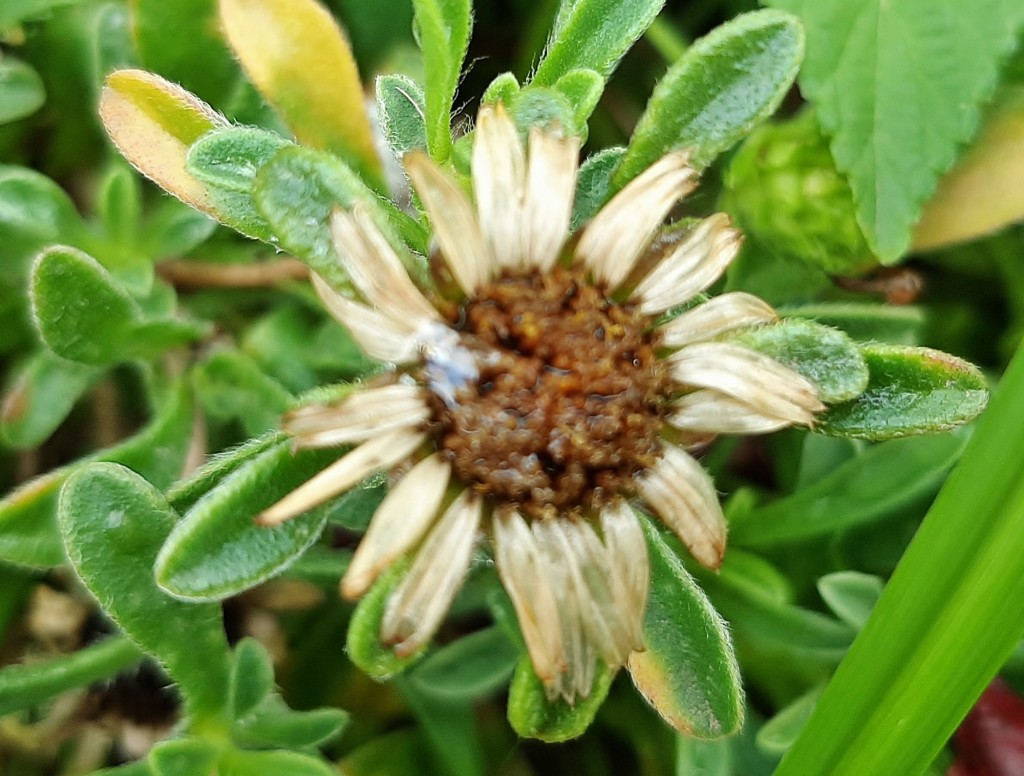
(982, 193)
(153, 122)
(301, 62)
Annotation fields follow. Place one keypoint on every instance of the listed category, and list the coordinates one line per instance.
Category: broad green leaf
(876, 483)
(779, 733)
(26, 685)
(593, 34)
(363, 643)
(851, 595)
(21, 90)
(825, 356)
(231, 385)
(217, 549)
(894, 324)
(182, 41)
(153, 122)
(40, 396)
(532, 715)
(725, 83)
(943, 627)
(898, 87)
(34, 212)
(183, 757)
(594, 184)
(252, 676)
(292, 729)
(236, 762)
(910, 391)
(442, 30)
(469, 668)
(401, 113)
(301, 61)
(981, 193)
(113, 523)
(688, 672)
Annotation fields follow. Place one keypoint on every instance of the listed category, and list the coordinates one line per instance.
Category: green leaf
(363, 643)
(469, 668)
(41, 394)
(503, 89)
(779, 733)
(725, 83)
(688, 672)
(910, 391)
(703, 758)
(292, 729)
(119, 206)
(252, 676)
(442, 721)
(894, 324)
(876, 483)
(113, 523)
(217, 549)
(173, 229)
(594, 184)
(235, 762)
(582, 88)
(21, 90)
(231, 385)
(593, 34)
(442, 31)
(898, 86)
(851, 595)
(182, 41)
(25, 685)
(14, 11)
(401, 113)
(34, 212)
(532, 715)
(183, 757)
(825, 356)
(541, 106)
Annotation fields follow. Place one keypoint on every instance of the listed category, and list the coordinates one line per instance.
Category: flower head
(541, 390)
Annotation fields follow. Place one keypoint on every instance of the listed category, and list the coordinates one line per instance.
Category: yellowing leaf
(153, 122)
(301, 61)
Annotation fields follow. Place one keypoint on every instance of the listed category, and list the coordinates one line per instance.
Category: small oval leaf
(21, 90)
(252, 676)
(401, 113)
(851, 595)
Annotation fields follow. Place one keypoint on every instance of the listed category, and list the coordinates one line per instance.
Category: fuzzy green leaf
(594, 184)
(27, 685)
(725, 83)
(688, 672)
(442, 31)
(532, 715)
(910, 391)
(582, 88)
(363, 643)
(21, 90)
(252, 676)
(183, 757)
(825, 356)
(217, 549)
(851, 595)
(469, 668)
(894, 324)
(898, 86)
(113, 523)
(401, 113)
(593, 34)
(292, 729)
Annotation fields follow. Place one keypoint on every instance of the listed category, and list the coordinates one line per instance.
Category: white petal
(399, 523)
(380, 337)
(375, 268)
(455, 224)
(710, 411)
(619, 233)
(755, 379)
(695, 264)
(417, 607)
(716, 316)
(683, 495)
(550, 189)
(520, 567)
(498, 184)
(379, 453)
(627, 557)
(359, 416)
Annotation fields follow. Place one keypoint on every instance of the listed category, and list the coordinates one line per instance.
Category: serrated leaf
(236, 762)
(25, 685)
(217, 549)
(825, 356)
(401, 113)
(898, 86)
(442, 31)
(469, 668)
(874, 484)
(183, 757)
(688, 672)
(851, 595)
(910, 391)
(113, 523)
(723, 85)
(363, 644)
(593, 34)
(41, 394)
(21, 90)
(302, 63)
(594, 184)
(252, 676)
(292, 729)
(532, 715)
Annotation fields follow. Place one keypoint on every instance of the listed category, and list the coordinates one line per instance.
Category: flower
(539, 392)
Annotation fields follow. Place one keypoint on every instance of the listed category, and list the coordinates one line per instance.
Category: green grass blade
(946, 622)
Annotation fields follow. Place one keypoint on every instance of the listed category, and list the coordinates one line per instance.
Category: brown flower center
(553, 397)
